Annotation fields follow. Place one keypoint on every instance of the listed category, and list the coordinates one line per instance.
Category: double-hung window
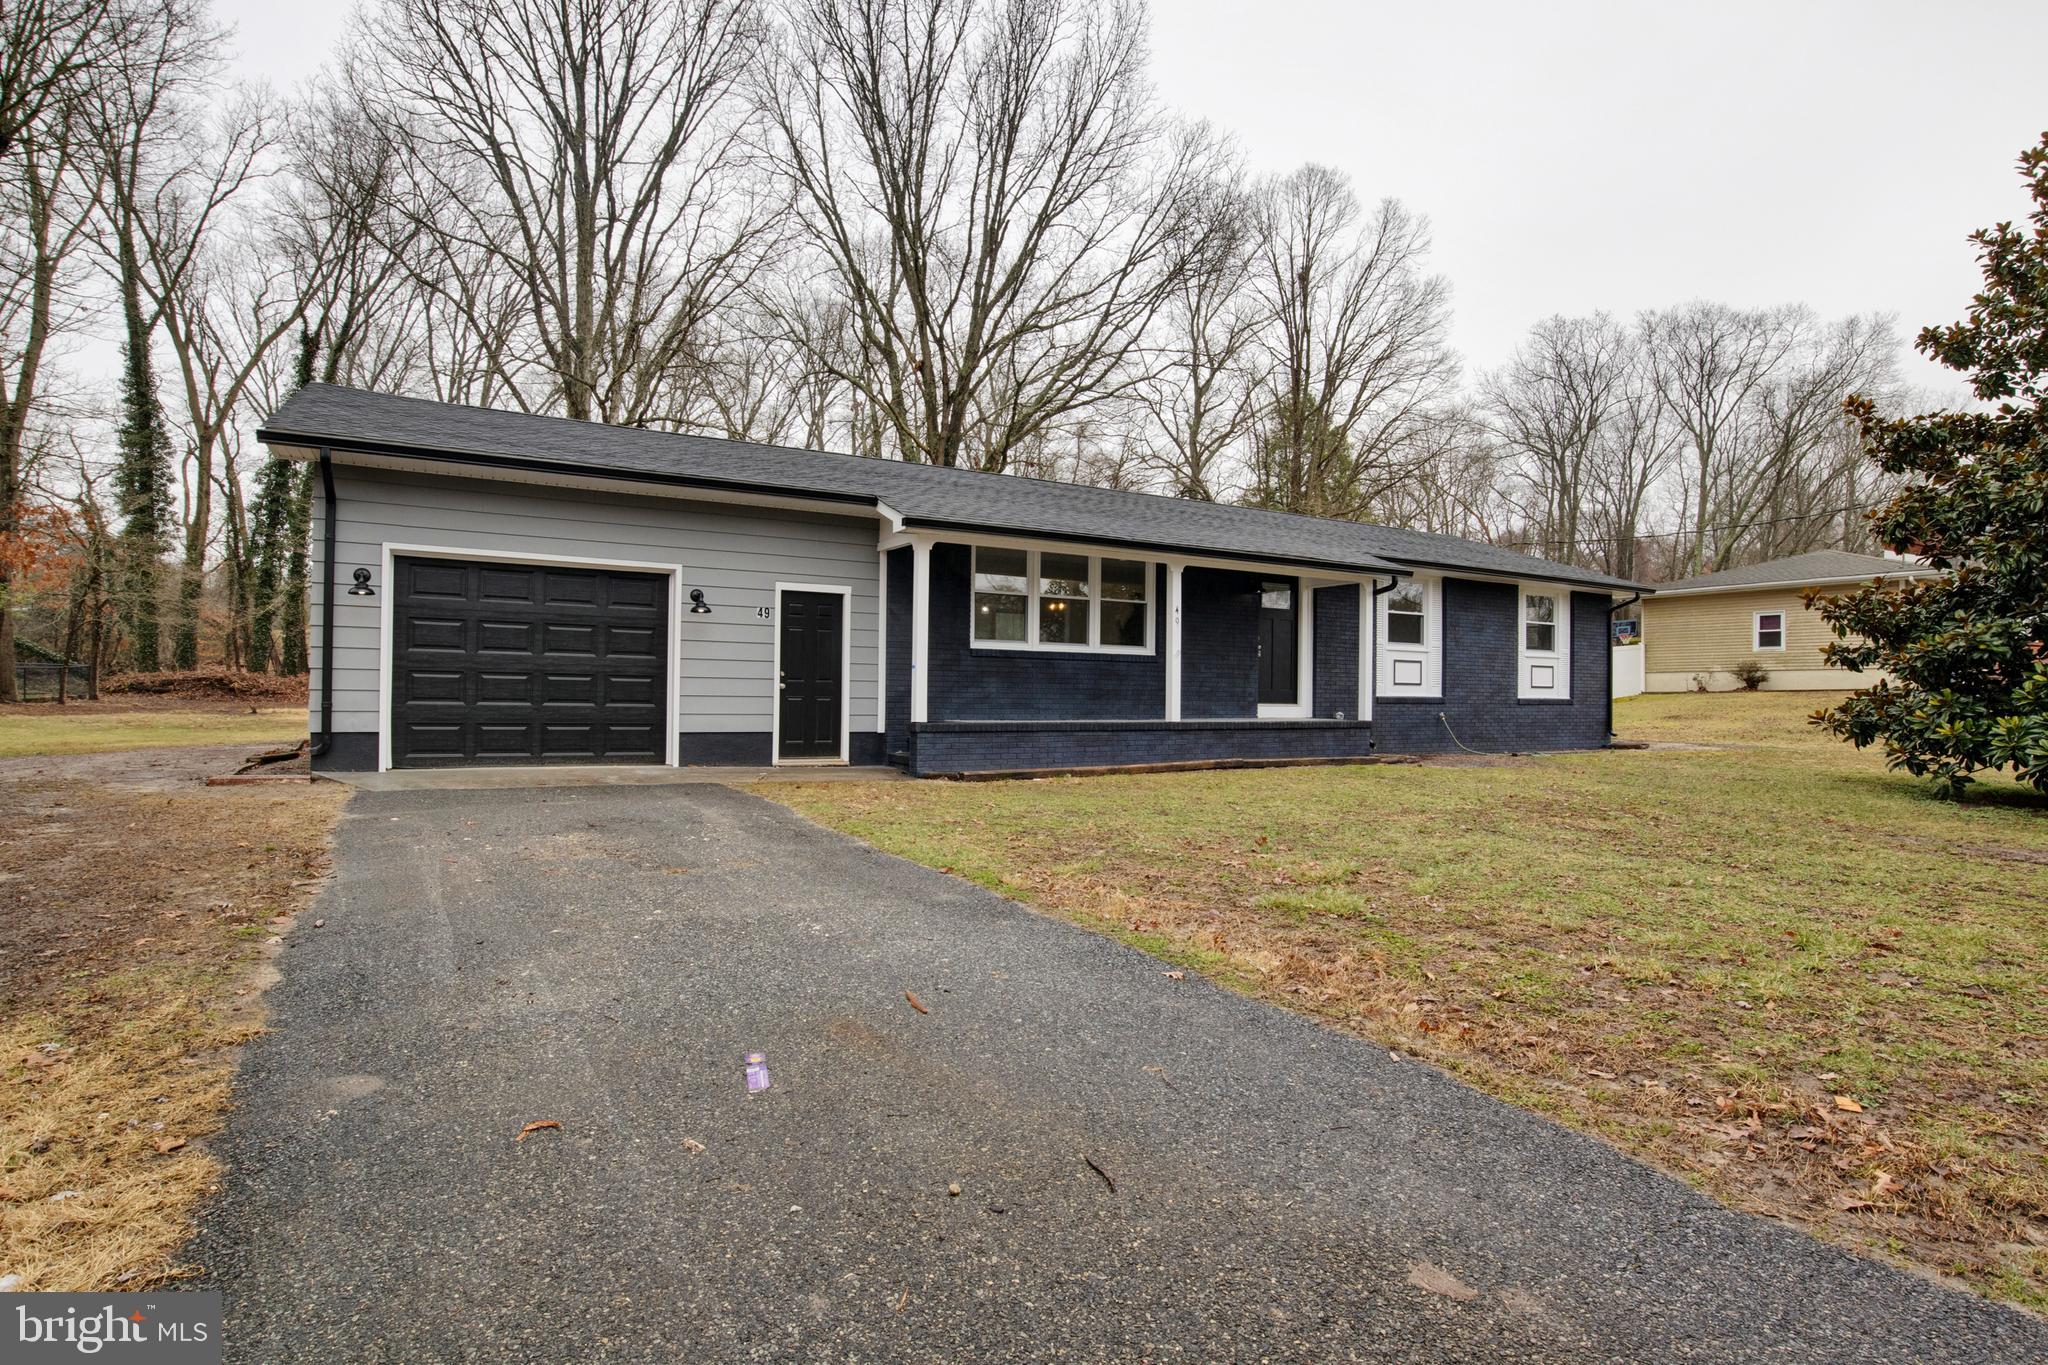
(1053, 599)
(1539, 622)
(1407, 615)
(1770, 630)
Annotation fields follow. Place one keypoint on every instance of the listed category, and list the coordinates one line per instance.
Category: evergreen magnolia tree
(1968, 652)
(143, 486)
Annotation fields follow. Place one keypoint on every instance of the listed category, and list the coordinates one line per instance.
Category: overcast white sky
(1584, 155)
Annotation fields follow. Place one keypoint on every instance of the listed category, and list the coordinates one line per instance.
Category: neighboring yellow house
(1698, 630)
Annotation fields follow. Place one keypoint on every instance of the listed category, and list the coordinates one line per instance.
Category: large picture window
(1053, 599)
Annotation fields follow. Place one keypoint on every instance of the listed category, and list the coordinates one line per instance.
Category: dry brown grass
(134, 930)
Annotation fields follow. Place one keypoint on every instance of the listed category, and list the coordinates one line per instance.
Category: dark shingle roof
(1821, 566)
(925, 495)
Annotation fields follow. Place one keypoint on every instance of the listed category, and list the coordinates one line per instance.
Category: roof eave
(1918, 571)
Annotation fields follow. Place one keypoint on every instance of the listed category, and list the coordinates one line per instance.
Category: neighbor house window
(1770, 630)
(1539, 623)
(1406, 615)
(1052, 599)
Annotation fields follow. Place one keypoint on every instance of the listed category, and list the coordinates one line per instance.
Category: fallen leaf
(536, 1126)
(692, 1145)
(166, 1145)
(1847, 1105)
(1435, 1280)
(1175, 976)
(915, 1003)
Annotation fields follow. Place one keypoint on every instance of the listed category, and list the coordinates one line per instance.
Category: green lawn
(50, 729)
(1693, 952)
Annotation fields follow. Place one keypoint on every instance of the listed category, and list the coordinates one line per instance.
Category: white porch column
(1173, 640)
(1368, 635)
(920, 627)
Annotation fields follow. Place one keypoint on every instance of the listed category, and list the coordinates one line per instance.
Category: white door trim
(391, 550)
(775, 758)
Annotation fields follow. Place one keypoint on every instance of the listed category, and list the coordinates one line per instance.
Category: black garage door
(516, 663)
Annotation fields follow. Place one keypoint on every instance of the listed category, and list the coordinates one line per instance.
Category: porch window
(1539, 622)
(1770, 630)
(1406, 614)
(1063, 599)
(1053, 599)
(1123, 602)
(1002, 586)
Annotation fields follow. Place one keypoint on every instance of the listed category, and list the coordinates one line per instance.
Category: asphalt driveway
(606, 957)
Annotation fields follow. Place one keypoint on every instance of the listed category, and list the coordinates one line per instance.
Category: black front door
(1279, 643)
(813, 641)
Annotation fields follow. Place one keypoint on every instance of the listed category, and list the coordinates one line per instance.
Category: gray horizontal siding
(735, 554)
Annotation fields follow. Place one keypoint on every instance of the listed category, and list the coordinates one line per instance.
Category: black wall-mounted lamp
(362, 587)
(698, 606)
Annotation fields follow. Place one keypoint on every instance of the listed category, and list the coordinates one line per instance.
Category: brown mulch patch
(224, 684)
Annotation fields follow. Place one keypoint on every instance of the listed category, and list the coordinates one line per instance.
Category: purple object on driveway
(757, 1073)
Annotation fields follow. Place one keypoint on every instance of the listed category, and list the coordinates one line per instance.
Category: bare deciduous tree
(591, 153)
(1356, 342)
(996, 196)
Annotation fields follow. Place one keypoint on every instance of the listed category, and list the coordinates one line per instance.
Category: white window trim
(1429, 654)
(389, 554)
(1032, 579)
(1756, 632)
(1558, 659)
(844, 591)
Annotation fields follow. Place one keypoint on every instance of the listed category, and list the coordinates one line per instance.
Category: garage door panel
(434, 687)
(432, 741)
(504, 637)
(504, 663)
(621, 690)
(444, 581)
(632, 642)
(434, 632)
(567, 588)
(569, 689)
(499, 586)
(504, 688)
(641, 742)
(626, 596)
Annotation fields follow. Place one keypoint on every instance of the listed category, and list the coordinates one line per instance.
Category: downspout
(1612, 608)
(320, 745)
(1372, 624)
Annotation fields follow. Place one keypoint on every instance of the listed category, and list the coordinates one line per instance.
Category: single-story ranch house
(1697, 632)
(498, 588)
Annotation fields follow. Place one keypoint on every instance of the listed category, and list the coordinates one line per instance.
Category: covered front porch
(1014, 654)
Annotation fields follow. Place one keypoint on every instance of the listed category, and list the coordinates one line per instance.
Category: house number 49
(765, 613)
